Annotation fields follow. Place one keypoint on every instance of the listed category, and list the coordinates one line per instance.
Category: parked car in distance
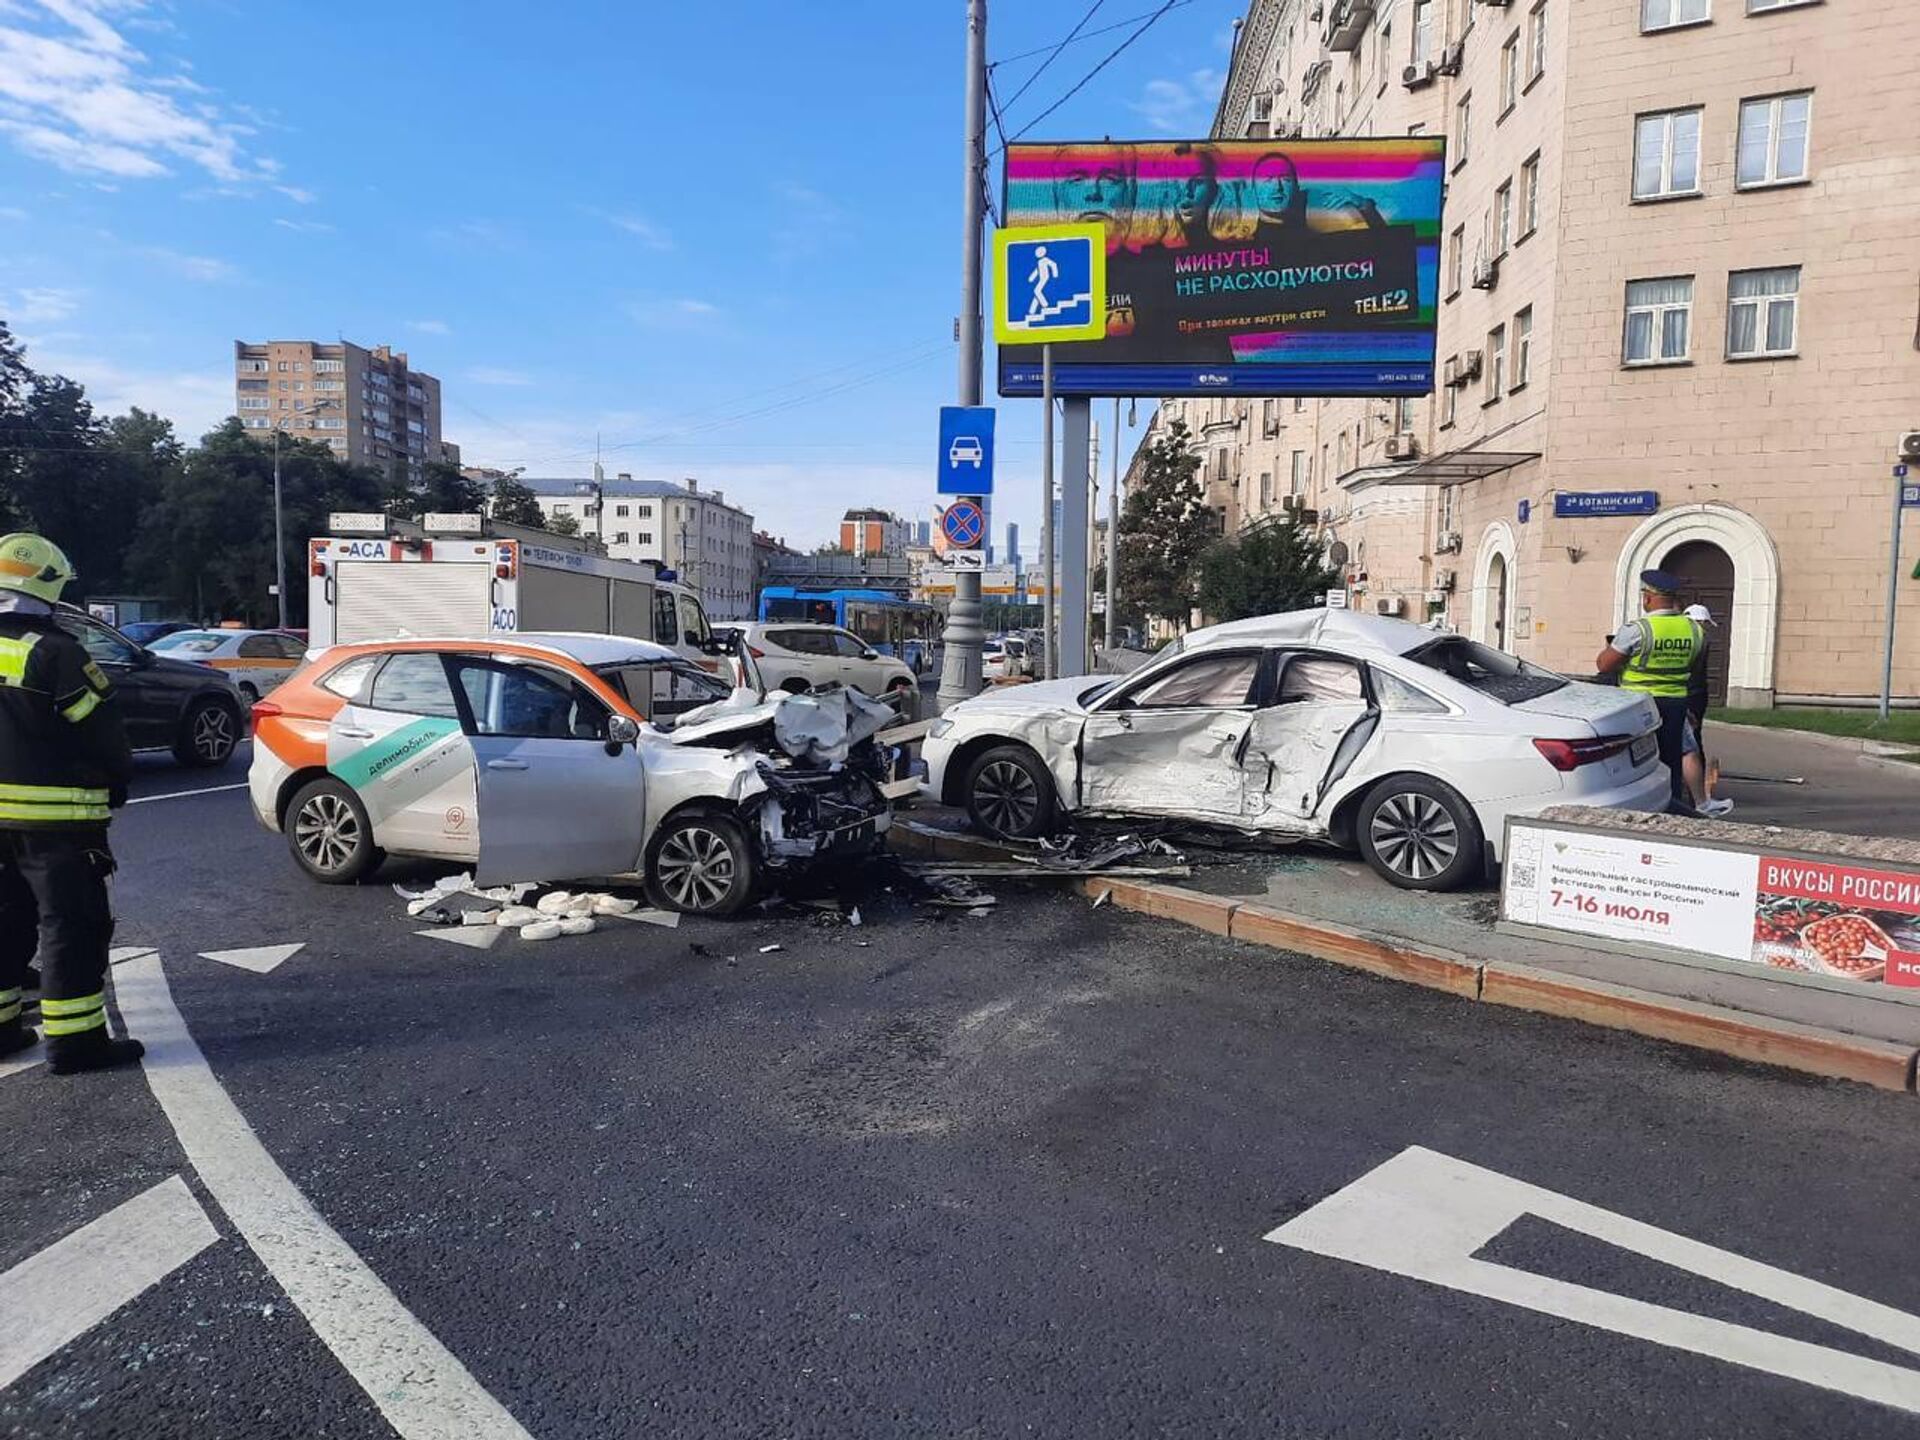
(1374, 733)
(542, 757)
(168, 703)
(798, 657)
(145, 632)
(255, 660)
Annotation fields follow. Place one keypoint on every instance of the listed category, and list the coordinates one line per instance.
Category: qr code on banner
(1523, 876)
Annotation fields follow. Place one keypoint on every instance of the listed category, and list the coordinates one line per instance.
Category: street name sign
(1572, 504)
(965, 465)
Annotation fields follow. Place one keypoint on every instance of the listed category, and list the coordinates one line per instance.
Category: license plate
(1644, 749)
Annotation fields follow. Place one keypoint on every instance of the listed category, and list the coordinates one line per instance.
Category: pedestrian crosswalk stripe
(58, 1294)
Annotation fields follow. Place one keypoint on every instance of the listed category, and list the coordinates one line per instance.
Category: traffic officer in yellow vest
(1654, 655)
(64, 761)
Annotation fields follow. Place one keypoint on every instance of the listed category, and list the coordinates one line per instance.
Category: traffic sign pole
(1049, 651)
(1893, 589)
(1076, 435)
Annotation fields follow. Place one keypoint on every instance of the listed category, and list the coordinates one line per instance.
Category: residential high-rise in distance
(368, 406)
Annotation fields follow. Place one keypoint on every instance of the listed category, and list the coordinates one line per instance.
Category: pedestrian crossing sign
(1050, 283)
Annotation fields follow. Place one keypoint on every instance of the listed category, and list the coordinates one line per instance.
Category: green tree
(1267, 569)
(442, 490)
(564, 525)
(1164, 529)
(515, 503)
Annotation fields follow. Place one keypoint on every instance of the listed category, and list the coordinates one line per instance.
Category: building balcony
(1347, 22)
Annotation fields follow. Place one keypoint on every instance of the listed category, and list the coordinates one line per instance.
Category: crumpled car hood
(819, 726)
(1056, 695)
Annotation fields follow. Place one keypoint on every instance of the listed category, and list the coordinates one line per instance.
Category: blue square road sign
(1050, 283)
(965, 464)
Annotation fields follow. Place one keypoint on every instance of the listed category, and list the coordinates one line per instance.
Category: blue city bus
(906, 628)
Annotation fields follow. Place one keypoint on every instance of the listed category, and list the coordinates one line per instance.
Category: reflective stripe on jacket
(1660, 666)
(62, 745)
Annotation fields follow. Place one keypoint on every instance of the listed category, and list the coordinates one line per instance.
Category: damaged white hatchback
(1411, 745)
(565, 757)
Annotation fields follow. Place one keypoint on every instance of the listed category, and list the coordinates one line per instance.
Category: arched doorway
(1746, 631)
(1706, 573)
(1497, 602)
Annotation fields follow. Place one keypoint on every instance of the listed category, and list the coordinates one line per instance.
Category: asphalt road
(933, 1175)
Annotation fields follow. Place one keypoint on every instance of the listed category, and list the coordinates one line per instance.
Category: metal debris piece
(1019, 870)
(1102, 898)
(769, 949)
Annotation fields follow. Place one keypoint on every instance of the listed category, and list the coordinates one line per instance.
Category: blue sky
(666, 224)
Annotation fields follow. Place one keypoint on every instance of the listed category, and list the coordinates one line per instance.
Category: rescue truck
(375, 578)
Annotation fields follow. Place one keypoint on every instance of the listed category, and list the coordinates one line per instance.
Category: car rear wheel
(208, 734)
(701, 865)
(329, 833)
(1420, 834)
(248, 692)
(1009, 794)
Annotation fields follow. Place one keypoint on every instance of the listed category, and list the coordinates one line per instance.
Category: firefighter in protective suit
(64, 762)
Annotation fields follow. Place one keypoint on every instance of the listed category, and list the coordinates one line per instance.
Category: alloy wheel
(1414, 836)
(327, 832)
(213, 733)
(695, 867)
(1006, 797)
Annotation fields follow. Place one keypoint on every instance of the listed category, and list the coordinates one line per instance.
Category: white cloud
(1182, 105)
(297, 194)
(42, 305)
(496, 375)
(205, 268)
(430, 327)
(653, 236)
(196, 401)
(304, 227)
(75, 93)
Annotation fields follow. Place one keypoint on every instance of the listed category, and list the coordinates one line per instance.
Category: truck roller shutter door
(380, 600)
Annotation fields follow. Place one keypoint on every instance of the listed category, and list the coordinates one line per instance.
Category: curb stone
(1831, 1054)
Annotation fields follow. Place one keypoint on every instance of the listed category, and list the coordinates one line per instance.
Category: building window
(1462, 128)
(251, 367)
(1297, 477)
(1502, 219)
(331, 422)
(1773, 140)
(560, 507)
(255, 402)
(1266, 490)
(1456, 260)
(257, 423)
(1666, 154)
(1510, 73)
(1760, 7)
(329, 367)
(1763, 313)
(1496, 363)
(1446, 508)
(1522, 347)
(1659, 319)
(644, 537)
(1422, 31)
(1270, 418)
(1299, 404)
(280, 365)
(299, 367)
(1530, 196)
(1449, 397)
(299, 384)
(1666, 14)
(1537, 42)
(620, 511)
(1403, 415)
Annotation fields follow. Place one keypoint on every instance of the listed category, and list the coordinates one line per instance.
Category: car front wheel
(208, 734)
(1420, 834)
(1009, 794)
(701, 865)
(330, 834)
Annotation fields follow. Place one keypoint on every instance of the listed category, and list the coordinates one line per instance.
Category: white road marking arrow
(66, 1289)
(475, 937)
(260, 960)
(1423, 1215)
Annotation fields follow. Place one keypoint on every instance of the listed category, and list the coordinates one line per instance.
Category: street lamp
(279, 517)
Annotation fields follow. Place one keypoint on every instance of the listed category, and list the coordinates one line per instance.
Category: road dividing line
(1424, 1215)
(183, 794)
(424, 1392)
(66, 1289)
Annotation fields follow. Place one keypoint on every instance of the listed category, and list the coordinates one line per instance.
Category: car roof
(582, 647)
(1336, 629)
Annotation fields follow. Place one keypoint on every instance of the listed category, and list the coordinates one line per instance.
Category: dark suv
(168, 704)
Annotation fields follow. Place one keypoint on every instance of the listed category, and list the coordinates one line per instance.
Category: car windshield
(192, 642)
(1494, 673)
(661, 690)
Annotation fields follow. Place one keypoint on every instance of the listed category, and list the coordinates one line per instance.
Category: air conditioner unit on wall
(1418, 77)
(1402, 447)
(1443, 579)
(1450, 375)
(1486, 272)
(1910, 445)
(1387, 604)
(1470, 366)
(1448, 543)
(1496, 4)
(1452, 58)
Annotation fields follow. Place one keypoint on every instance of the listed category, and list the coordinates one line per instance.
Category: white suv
(798, 657)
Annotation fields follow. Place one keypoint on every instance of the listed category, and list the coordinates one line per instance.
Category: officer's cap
(1660, 582)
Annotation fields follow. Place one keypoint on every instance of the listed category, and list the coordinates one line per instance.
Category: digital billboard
(1242, 267)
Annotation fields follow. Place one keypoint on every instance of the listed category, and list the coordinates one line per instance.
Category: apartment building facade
(368, 406)
(1677, 324)
(695, 533)
(874, 532)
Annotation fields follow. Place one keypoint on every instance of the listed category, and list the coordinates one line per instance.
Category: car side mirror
(869, 654)
(622, 731)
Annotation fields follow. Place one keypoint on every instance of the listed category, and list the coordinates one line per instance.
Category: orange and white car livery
(255, 660)
(545, 758)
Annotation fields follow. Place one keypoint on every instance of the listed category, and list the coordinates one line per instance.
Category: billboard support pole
(1113, 532)
(1049, 542)
(1893, 606)
(960, 661)
(1076, 448)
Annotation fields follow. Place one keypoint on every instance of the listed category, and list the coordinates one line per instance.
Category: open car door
(1318, 721)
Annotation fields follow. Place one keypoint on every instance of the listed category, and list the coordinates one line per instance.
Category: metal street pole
(1050, 653)
(1076, 436)
(279, 533)
(1113, 529)
(1893, 600)
(960, 662)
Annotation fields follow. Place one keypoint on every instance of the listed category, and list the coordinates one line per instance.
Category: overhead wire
(1052, 55)
(1107, 60)
(1101, 30)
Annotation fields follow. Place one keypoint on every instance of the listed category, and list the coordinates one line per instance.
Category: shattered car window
(1212, 682)
(514, 700)
(663, 691)
(1494, 673)
(1315, 681)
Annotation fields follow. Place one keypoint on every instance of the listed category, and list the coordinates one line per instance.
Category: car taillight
(756, 653)
(1566, 755)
